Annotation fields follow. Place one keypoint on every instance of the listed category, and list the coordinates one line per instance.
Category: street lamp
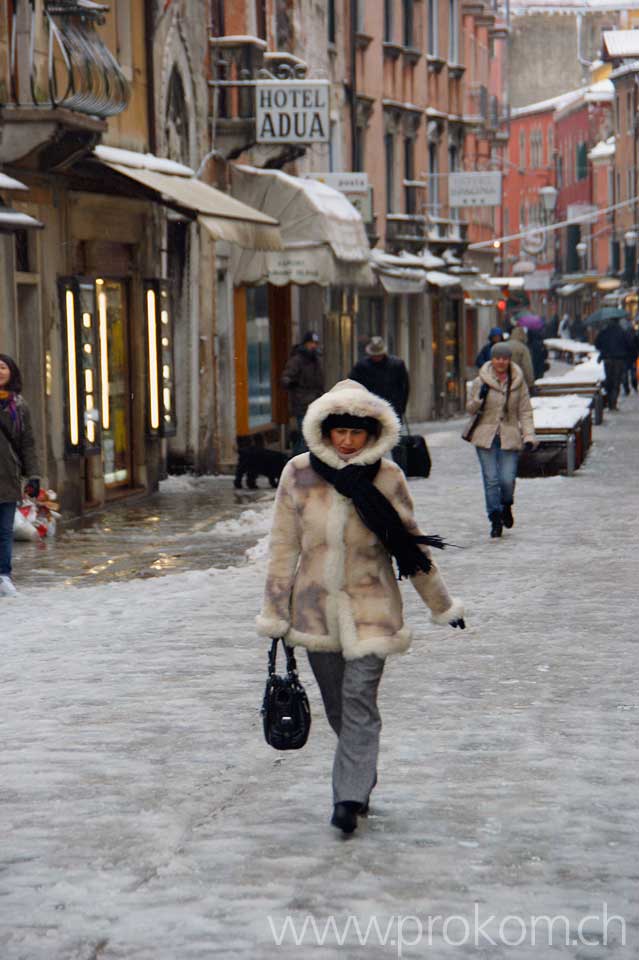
(549, 199)
(549, 196)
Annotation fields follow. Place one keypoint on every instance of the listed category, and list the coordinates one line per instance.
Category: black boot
(345, 815)
(497, 523)
(507, 515)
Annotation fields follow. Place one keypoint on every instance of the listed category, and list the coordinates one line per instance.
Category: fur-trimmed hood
(348, 396)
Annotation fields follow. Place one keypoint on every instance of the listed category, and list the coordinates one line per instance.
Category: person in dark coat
(495, 336)
(552, 326)
(17, 460)
(630, 375)
(384, 375)
(612, 345)
(538, 352)
(303, 377)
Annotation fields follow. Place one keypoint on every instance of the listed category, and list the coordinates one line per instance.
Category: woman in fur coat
(342, 515)
(500, 396)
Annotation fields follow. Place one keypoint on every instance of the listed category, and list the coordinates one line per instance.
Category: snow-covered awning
(224, 217)
(12, 220)
(438, 279)
(513, 283)
(479, 288)
(8, 183)
(324, 238)
(569, 289)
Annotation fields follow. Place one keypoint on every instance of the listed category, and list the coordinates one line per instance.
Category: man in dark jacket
(613, 347)
(303, 377)
(383, 375)
(495, 336)
(630, 374)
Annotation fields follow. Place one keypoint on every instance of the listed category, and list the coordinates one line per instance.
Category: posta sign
(292, 111)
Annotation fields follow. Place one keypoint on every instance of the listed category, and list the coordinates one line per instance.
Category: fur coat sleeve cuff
(271, 627)
(454, 612)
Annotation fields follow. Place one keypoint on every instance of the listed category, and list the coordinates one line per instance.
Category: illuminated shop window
(160, 365)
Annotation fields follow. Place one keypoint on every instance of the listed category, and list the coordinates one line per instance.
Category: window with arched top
(176, 126)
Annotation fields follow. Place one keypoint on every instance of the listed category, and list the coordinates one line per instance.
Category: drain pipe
(353, 91)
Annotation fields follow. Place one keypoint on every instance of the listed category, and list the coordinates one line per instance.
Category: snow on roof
(603, 150)
(603, 90)
(619, 44)
(142, 161)
(553, 103)
(522, 7)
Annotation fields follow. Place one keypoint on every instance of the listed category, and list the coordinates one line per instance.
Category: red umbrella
(531, 321)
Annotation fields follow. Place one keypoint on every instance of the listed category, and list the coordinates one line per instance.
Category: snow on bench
(572, 350)
(590, 373)
(560, 413)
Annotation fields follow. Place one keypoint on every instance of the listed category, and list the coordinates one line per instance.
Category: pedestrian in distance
(343, 514)
(303, 377)
(384, 375)
(630, 375)
(538, 353)
(500, 402)
(564, 327)
(614, 350)
(17, 461)
(496, 335)
(520, 354)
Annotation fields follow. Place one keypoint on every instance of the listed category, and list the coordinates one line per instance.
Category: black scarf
(378, 514)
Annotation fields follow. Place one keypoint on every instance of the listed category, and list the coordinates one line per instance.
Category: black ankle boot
(497, 523)
(345, 815)
(507, 515)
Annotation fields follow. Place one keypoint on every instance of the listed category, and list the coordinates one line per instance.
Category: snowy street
(144, 818)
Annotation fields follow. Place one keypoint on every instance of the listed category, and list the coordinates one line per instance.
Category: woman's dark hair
(15, 381)
(334, 420)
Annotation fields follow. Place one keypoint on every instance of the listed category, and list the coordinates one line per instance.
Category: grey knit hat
(502, 349)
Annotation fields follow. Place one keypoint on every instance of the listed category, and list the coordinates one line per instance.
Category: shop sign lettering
(292, 111)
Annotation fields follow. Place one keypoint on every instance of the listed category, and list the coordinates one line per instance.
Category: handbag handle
(291, 664)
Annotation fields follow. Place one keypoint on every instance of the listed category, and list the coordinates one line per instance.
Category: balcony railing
(68, 65)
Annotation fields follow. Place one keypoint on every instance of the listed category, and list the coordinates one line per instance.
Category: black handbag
(411, 454)
(286, 712)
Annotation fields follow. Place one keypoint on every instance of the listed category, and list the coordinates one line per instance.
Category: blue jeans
(7, 513)
(499, 472)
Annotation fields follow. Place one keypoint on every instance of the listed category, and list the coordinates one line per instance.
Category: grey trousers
(349, 691)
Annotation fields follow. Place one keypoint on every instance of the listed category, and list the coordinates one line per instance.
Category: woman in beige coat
(500, 397)
(342, 514)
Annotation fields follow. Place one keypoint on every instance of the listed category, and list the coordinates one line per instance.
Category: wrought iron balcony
(237, 63)
(68, 65)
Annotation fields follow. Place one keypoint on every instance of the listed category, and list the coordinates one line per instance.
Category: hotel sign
(474, 189)
(292, 111)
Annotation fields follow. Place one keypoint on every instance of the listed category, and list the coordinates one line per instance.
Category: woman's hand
(458, 622)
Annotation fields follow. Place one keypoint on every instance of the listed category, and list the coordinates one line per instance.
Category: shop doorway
(115, 377)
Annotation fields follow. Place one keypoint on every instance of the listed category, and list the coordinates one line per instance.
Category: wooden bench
(585, 380)
(570, 351)
(563, 425)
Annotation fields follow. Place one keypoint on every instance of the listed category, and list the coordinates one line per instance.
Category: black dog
(254, 462)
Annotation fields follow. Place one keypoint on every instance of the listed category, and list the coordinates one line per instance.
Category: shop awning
(8, 183)
(323, 234)
(438, 279)
(478, 288)
(12, 220)
(513, 283)
(224, 217)
(569, 289)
